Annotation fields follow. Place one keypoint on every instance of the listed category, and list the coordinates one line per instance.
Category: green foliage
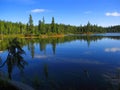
(52, 28)
(12, 28)
(113, 29)
(41, 26)
(30, 25)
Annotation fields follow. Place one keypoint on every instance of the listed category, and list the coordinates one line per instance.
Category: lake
(73, 62)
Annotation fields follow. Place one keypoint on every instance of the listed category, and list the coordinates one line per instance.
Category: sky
(73, 12)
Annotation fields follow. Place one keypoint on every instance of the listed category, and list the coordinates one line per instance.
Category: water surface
(69, 63)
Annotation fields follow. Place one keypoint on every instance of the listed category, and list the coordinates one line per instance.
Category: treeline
(113, 29)
(52, 28)
(12, 28)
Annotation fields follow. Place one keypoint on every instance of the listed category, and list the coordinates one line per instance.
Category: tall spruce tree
(43, 26)
(53, 27)
(30, 23)
(39, 26)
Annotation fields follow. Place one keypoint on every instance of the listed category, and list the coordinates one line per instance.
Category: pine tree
(30, 23)
(27, 28)
(53, 27)
(21, 27)
(43, 26)
(39, 26)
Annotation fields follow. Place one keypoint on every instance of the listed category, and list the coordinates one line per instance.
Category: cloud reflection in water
(112, 50)
(40, 56)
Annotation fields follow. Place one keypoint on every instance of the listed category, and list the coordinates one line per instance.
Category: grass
(31, 36)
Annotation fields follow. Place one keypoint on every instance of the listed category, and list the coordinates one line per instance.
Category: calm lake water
(75, 62)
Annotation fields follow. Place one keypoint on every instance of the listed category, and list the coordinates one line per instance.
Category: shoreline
(32, 36)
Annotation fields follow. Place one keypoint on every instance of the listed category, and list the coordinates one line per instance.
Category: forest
(7, 27)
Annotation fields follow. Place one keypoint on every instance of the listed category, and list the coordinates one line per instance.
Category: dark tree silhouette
(14, 57)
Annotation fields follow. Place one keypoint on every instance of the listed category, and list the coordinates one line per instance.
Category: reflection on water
(30, 43)
(67, 63)
(114, 49)
(14, 57)
(113, 78)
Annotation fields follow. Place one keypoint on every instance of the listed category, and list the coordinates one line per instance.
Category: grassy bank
(31, 36)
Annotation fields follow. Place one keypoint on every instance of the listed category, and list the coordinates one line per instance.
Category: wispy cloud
(88, 12)
(22, 1)
(115, 14)
(38, 10)
(112, 50)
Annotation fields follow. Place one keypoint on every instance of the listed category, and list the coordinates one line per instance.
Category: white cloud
(112, 50)
(38, 10)
(115, 14)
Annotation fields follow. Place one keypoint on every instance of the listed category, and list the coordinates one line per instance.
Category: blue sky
(73, 12)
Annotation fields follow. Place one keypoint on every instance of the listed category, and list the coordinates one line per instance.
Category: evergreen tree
(53, 27)
(30, 23)
(21, 27)
(88, 27)
(1, 27)
(27, 28)
(43, 26)
(39, 26)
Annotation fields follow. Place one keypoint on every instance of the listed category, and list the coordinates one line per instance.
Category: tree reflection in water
(14, 57)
